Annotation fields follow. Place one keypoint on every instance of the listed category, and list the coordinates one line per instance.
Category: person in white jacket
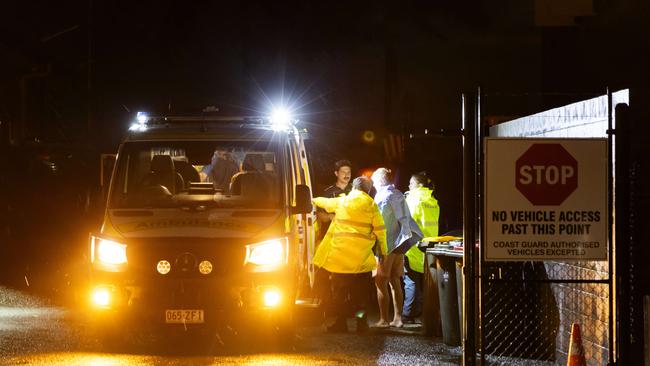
(401, 234)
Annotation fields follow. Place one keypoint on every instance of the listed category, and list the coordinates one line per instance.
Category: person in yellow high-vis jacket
(322, 289)
(347, 250)
(426, 212)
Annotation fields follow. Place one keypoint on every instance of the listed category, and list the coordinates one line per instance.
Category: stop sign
(546, 174)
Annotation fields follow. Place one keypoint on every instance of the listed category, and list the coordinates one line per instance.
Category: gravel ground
(34, 331)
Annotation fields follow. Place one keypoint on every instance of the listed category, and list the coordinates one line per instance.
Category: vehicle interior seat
(187, 172)
(253, 180)
(161, 172)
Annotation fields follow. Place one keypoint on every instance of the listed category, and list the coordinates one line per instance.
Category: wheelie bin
(431, 299)
(449, 296)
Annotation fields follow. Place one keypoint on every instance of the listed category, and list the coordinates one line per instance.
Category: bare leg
(382, 297)
(398, 301)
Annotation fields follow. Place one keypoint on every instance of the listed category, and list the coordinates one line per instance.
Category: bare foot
(381, 324)
(396, 323)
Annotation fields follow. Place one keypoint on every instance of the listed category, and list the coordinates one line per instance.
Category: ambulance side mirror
(303, 200)
(105, 171)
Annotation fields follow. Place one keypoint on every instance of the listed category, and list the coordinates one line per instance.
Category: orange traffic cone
(576, 352)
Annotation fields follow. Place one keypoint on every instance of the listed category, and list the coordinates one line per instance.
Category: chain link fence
(528, 308)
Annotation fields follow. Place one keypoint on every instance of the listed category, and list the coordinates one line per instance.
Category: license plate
(184, 316)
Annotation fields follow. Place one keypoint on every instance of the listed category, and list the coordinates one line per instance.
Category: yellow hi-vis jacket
(425, 211)
(348, 244)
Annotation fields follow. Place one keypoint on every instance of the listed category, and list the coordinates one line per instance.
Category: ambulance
(208, 223)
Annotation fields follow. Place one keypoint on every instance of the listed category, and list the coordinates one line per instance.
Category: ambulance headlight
(269, 254)
(108, 254)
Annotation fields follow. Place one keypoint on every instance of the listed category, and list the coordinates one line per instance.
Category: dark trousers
(412, 292)
(350, 294)
(323, 289)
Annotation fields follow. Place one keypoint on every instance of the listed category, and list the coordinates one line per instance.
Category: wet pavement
(34, 331)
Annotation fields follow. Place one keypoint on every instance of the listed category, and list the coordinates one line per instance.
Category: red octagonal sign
(546, 174)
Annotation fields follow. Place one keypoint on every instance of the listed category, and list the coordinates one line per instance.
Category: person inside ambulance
(220, 171)
(347, 251)
(426, 212)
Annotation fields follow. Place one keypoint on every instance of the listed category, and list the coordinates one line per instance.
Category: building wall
(585, 304)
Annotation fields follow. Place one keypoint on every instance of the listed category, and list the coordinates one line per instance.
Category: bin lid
(446, 250)
(442, 239)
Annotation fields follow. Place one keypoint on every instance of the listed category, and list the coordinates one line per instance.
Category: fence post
(623, 232)
(610, 231)
(469, 228)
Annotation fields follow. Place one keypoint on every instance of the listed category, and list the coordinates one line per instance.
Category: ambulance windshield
(227, 174)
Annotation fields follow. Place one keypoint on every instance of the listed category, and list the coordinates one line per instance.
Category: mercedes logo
(186, 261)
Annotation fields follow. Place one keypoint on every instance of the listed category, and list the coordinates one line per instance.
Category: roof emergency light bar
(279, 120)
(140, 123)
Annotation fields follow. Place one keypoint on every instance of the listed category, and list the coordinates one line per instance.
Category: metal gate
(520, 313)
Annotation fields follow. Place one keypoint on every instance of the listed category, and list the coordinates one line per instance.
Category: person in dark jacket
(342, 186)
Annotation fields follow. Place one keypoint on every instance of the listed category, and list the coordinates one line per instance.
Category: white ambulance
(208, 222)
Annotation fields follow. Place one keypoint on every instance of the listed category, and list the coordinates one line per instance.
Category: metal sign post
(469, 228)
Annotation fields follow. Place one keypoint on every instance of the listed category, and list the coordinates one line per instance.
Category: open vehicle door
(308, 219)
(304, 221)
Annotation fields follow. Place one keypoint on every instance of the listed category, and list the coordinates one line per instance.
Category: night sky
(366, 64)
(75, 72)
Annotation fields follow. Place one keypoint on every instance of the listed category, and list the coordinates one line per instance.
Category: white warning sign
(545, 199)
